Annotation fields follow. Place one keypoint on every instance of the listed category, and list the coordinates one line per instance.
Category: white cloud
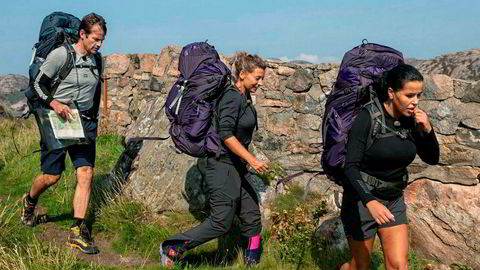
(312, 58)
(329, 59)
(309, 57)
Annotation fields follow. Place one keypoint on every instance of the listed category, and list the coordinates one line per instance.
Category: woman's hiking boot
(80, 239)
(170, 254)
(251, 257)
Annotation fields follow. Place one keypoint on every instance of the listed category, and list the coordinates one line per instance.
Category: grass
(128, 225)
(41, 256)
(132, 230)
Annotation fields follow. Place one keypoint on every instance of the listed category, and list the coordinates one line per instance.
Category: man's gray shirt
(79, 85)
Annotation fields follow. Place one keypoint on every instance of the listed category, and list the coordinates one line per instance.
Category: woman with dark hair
(376, 175)
(229, 191)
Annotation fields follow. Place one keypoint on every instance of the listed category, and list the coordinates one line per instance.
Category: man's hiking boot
(170, 254)
(29, 218)
(28, 213)
(80, 238)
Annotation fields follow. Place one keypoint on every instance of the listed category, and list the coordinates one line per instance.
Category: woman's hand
(236, 147)
(379, 212)
(422, 120)
(258, 165)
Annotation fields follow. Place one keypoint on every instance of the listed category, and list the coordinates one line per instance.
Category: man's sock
(78, 222)
(31, 200)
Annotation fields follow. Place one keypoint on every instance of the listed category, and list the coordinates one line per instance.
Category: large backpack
(352, 91)
(57, 29)
(191, 102)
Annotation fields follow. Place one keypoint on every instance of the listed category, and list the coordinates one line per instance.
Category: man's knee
(84, 175)
(50, 179)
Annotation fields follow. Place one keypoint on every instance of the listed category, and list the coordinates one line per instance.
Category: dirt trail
(106, 257)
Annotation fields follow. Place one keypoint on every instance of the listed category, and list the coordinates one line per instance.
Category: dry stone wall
(290, 108)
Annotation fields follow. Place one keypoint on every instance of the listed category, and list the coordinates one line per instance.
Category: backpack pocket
(198, 119)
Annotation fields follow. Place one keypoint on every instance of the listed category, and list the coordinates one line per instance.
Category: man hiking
(82, 87)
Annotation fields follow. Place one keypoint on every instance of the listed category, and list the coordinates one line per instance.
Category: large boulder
(12, 83)
(160, 176)
(443, 221)
(461, 65)
(12, 100)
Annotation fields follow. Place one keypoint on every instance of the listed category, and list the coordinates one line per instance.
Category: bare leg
(82, 191)
(395, 246)
(41, 183)
(361, 254)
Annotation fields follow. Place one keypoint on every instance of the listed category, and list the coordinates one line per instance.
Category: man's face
(93, 41)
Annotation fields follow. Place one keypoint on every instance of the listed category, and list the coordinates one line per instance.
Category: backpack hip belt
(381, 184)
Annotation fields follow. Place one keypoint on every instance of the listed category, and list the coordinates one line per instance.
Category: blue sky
(314, 30)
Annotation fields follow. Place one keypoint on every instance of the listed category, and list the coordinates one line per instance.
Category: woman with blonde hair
(229, 191)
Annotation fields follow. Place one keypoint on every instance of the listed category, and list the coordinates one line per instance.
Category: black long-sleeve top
(387, 158)
(236, 117)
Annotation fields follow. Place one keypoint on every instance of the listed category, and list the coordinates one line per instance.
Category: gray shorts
(360, 225)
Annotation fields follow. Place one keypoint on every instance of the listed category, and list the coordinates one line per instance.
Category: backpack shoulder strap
(98, 90)
(69, 63)
(377, 117)
(99, 64)
(379, 128)
(66, 68)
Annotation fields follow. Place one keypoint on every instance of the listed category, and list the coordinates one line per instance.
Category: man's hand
(61, 109)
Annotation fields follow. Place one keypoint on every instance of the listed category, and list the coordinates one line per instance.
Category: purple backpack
(360, 67)
(192, 100)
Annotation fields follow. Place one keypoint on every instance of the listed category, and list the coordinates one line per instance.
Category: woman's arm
(238, 149)
(228, 112)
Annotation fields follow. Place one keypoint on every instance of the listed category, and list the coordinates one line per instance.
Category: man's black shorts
(360, 225)
(53, 162)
